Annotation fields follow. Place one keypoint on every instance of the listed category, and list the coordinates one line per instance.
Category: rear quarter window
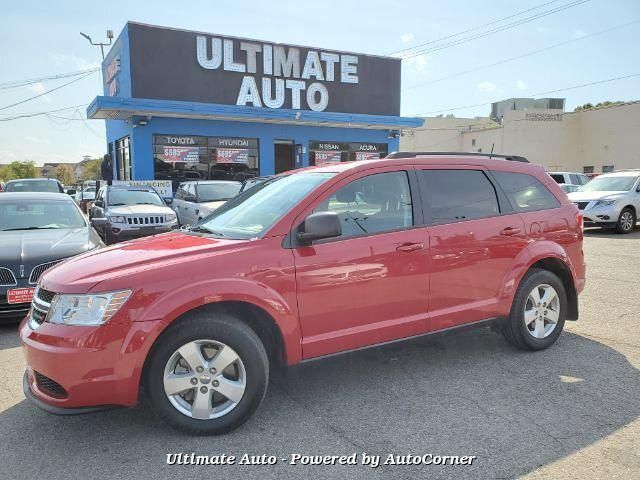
(525, 192)
(557, 177)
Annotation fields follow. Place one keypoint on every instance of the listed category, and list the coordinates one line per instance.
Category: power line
(474, 28)
(495, 30)
(17, 116)
(48, 91)
(22, 83)
(519, 56)
(533, 95)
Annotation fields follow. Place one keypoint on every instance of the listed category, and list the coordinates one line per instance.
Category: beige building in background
(597, 140)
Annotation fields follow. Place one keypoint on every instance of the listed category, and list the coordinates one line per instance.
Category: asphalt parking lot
(571, 411)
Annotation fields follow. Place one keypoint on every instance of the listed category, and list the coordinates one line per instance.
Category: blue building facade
(221, 107)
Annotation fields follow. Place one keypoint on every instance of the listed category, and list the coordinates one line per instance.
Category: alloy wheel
(626, 221)
(204, 379)
(542, 311)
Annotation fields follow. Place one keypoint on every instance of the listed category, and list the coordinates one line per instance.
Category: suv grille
(582, 205)
(7, 278)
(156, 219)
(50, 386)
(40, 269)
(40, 307)
(45, 295)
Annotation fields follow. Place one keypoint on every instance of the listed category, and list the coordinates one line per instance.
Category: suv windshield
(610, 184)
(32, 186)
(213, 192)
(251, 213)
(134, 197)
(32, 214)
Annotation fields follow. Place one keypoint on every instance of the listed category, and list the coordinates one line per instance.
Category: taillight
(580, 219)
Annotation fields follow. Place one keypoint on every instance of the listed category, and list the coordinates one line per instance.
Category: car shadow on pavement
(9, 335)
(466, 394)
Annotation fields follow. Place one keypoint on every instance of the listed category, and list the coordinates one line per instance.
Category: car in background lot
(252, 182)
(124, 213)
(87, 194)
(611, 200)
(307, 264)
(569, 178)
(569, 188)
(1, 186)
(34, 185)
(37, 231)
(195, 200)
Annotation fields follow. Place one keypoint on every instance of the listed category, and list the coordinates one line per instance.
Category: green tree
(26, 169)
(3, 173)
(92, 170)
(64, 174)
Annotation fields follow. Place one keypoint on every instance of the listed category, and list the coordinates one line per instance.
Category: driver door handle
(510, 231)
(410, 247)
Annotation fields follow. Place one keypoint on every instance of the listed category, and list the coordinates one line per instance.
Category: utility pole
(100, 44)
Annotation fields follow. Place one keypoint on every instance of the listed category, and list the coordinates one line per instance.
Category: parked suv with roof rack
(306, 264)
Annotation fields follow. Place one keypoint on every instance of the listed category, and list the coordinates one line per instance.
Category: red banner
(20, 295)
(232, 155)
(325, 157)
(181, 154)
(367, 156)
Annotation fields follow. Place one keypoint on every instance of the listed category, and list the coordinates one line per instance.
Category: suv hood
(139, 210)
(80, 274)
(589, 196)
(213, 205)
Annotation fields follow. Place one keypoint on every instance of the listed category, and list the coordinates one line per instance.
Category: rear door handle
(510, 231)
(410, 247)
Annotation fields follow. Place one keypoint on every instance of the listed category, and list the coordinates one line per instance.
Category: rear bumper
(91, 367)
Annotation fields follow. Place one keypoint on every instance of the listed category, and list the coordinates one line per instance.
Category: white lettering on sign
(180, 141)
(284, 63)
(110, 76)
(328, 146)
(233, 142)
(368, 148)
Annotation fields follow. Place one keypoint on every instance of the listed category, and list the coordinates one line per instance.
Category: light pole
(100, 44)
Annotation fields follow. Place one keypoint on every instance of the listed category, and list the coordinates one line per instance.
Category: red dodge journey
(311, 263)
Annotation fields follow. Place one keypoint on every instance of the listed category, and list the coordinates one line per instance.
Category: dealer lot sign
(171, 64)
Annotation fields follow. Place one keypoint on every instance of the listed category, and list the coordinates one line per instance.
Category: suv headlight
(604, 203)
(170, 217)
(117, 219)
(86, 310)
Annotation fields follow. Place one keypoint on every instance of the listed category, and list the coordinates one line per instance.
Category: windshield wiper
(28, 228)
(116, 204)
(201, 229)
(146, 203)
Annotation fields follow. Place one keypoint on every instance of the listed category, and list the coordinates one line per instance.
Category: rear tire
(536, 325)
(245, 379)
(626, 221)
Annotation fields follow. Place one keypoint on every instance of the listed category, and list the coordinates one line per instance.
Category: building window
(326, 152)
(607, 168)
(123, 159)
(186, 157)
(587, 169)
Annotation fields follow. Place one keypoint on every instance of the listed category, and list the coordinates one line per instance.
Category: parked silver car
(123, 213)
(610, 201)
(195, 200)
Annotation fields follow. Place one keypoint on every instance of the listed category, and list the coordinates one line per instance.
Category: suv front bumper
(601, 216)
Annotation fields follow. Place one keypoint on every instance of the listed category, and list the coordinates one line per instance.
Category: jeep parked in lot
(307, 264)
(124, 213)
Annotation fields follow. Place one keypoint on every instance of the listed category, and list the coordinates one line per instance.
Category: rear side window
(558, 177)
(525, 192)
(458, 195)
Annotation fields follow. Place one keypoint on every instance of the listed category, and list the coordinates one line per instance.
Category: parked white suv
(196, 200)
(569, 178)
(610, 201)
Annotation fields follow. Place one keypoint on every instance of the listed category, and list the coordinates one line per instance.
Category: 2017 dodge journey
(307, 264)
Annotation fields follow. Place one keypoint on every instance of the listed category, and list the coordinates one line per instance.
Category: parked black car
(34, 185)
(37, 231)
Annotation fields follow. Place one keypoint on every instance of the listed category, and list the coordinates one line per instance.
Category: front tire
(207, 374)
(538, 311)
(626, 221)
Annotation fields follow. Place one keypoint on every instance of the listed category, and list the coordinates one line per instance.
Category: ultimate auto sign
(232, 71)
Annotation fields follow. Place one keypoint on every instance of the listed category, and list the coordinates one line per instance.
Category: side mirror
(71, 192)
(168, 201)
(98, 203)
(190, 198)
(318, 226)
(99, 222)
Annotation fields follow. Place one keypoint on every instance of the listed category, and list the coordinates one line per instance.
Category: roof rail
(513, 158)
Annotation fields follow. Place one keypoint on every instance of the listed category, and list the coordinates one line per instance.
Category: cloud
(31, 138)
(543, 29)
(418, 63)
(38, 89)
(72, 61)
(406, 37)
(521, 85)
(487, 86)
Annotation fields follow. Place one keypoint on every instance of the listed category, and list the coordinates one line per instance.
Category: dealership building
(178, 101)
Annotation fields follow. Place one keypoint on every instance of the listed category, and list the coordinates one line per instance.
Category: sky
(42, 38)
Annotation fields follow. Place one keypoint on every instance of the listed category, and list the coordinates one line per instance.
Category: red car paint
(324, 299)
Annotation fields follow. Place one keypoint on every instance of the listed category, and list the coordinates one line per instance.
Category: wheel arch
(563, 272)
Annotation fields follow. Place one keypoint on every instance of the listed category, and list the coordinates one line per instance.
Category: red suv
(307, 264)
